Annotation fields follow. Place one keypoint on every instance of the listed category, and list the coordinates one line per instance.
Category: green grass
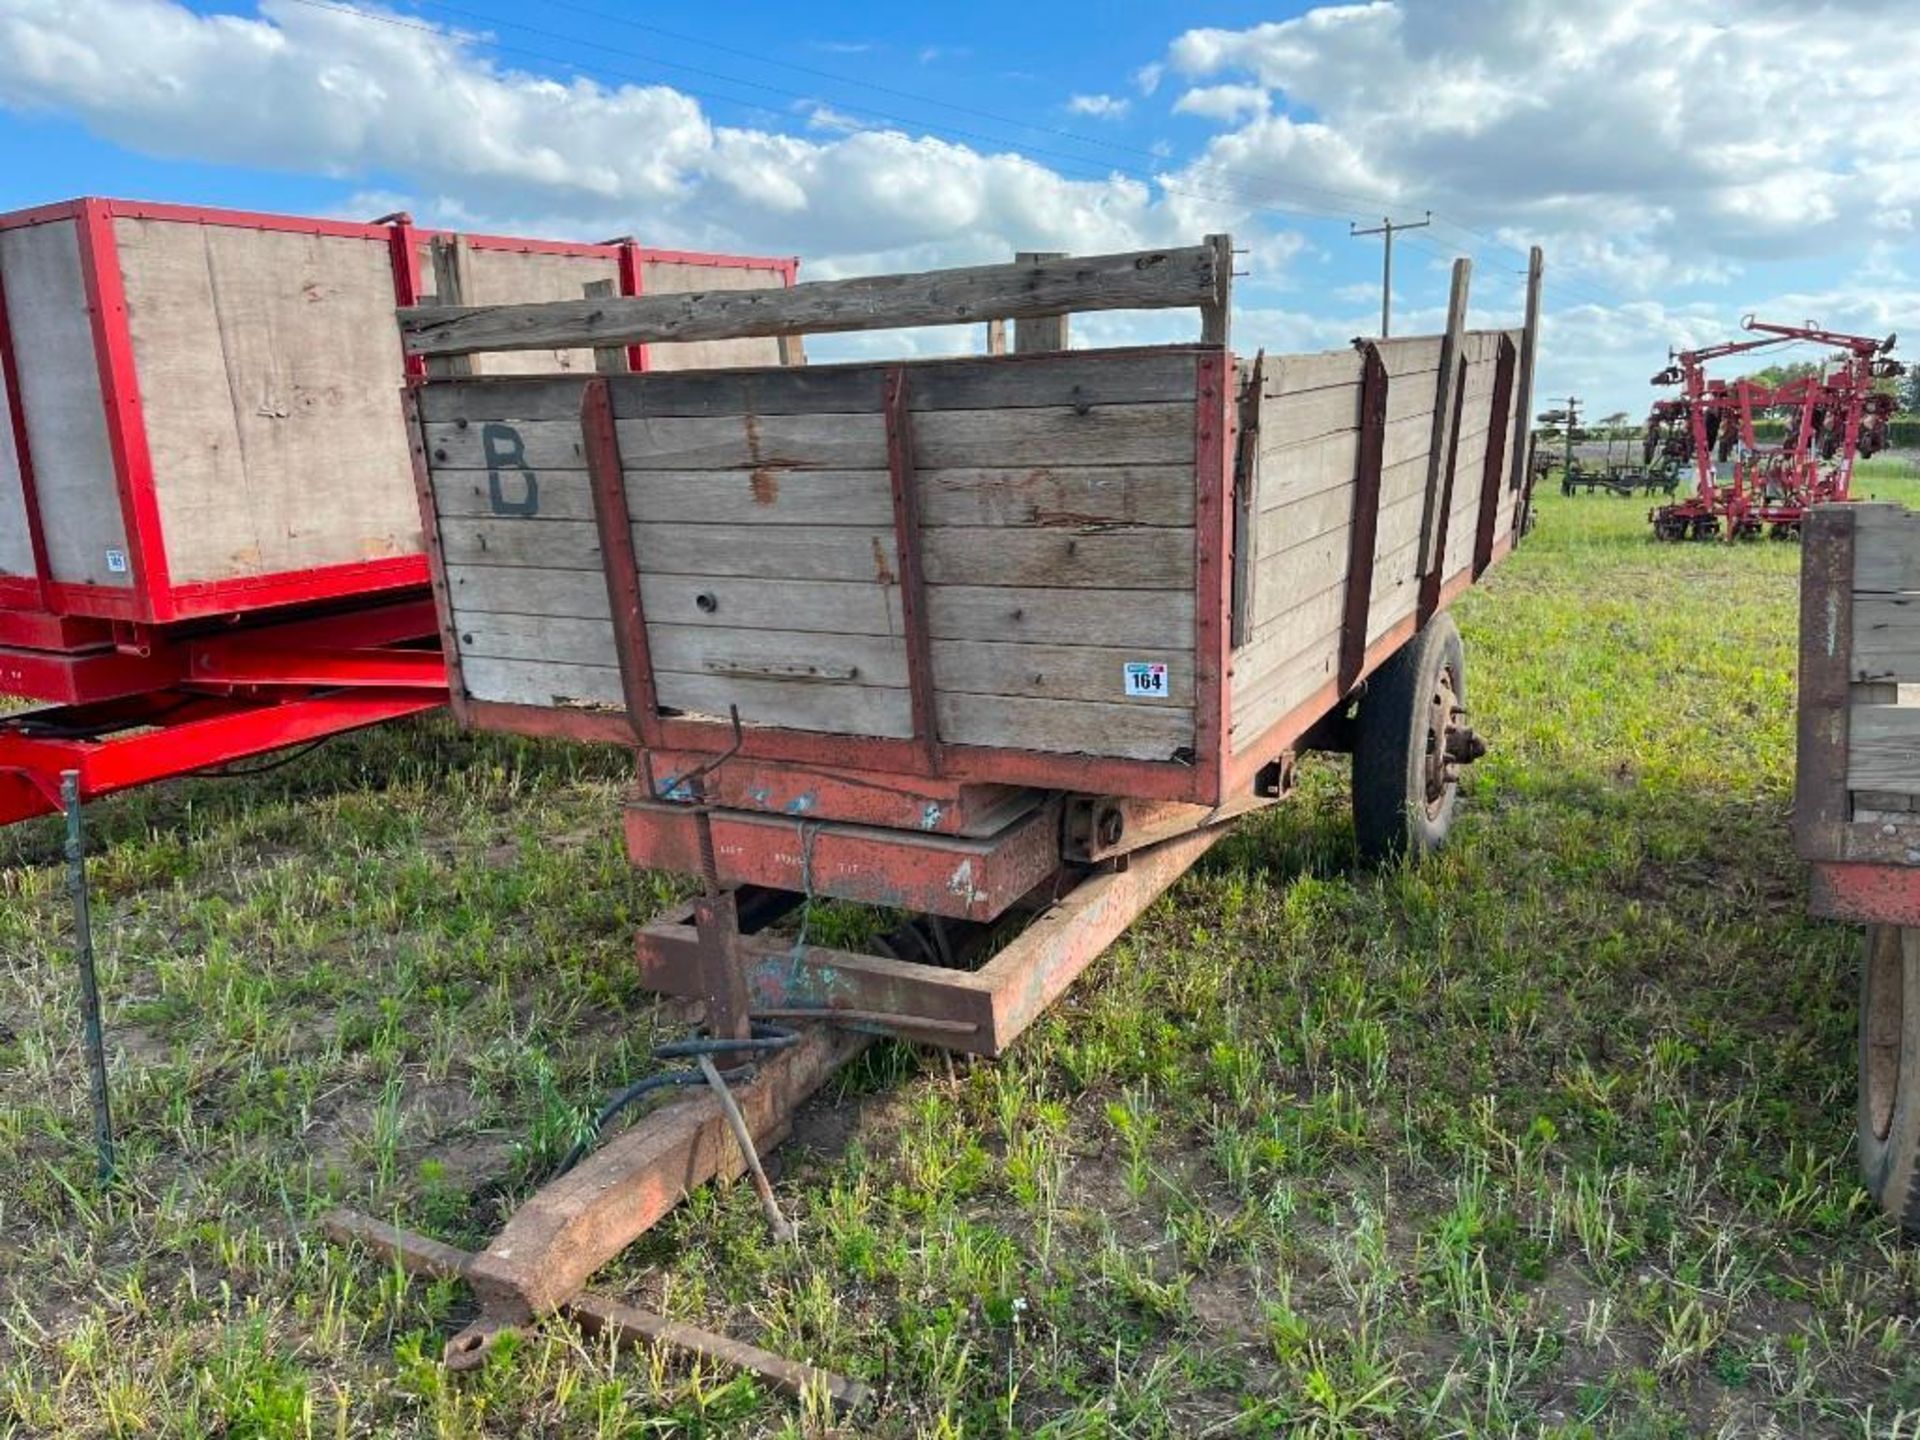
(1551, 1136)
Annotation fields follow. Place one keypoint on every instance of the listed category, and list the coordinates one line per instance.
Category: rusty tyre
(1404, 790)
(1890, 1071)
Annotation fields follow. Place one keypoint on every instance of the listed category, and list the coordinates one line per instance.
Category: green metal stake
(89, 982)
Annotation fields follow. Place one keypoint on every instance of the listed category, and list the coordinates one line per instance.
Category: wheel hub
(1451, 742)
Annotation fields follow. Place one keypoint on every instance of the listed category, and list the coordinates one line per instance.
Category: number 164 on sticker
(1146, 679)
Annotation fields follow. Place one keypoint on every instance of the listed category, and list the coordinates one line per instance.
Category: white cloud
(1147, 77)
(415, 109)
(1693, 142)
(1101, 107)
(1229, 104)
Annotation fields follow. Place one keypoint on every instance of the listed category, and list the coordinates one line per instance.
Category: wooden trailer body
(1143, 573)
(1857, 791)
(199, 409)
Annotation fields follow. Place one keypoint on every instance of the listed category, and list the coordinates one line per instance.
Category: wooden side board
(1857, 779)
(1310, 455)
(1056, 504)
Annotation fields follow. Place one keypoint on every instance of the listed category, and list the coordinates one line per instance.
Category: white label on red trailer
(116, 562)
(1146, 680)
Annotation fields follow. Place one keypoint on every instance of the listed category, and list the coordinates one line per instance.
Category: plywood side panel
(508, 277)
(60, 395)
(267, 363)
(670, 277)
(16, 539)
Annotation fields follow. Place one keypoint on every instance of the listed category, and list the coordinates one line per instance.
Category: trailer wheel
(1890, 1071)
(1411, 738)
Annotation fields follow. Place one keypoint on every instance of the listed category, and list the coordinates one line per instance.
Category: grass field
(1551, 1136)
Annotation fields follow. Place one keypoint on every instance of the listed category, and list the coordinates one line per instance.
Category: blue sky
(1683, 163)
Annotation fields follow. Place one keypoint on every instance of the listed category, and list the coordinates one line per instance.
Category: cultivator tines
(1744, 489)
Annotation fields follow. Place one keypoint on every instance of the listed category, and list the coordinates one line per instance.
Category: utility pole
(1386, 227)
(1570, 417)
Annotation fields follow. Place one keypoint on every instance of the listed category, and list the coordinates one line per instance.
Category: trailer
(209, 545)
(1856, 809)
(1001, 643)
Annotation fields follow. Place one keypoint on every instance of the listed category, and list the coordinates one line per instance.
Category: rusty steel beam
(970, 879)
(953, 1008)
(628, 1325)
(1500, 412)
(979, 1012)
(1069, 935)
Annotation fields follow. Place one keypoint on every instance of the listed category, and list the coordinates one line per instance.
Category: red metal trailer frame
(159, 679)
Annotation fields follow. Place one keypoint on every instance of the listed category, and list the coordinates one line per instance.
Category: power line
(1386, 227)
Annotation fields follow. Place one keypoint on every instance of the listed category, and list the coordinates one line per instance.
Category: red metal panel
(639, 358)
(202, 734)
(66, 678)
(298, 587)
(1213, 552)
(909, 870)
(126, 426)
(1869, 894)
(236, 219)
(929, 804)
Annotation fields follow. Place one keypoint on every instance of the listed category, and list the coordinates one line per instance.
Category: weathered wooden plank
(760, 497)
(567, 639)
(1058, 495)
(510, 493)
(1290, 525)
(1412, 394)
(1293, 472)
(1407, 439)
(1313, 614)
(504, 544)
(1073, 378)
(1056, 672)
(494, 589)
(790, 704)
(830, 606)
(1143, 559)
(505, 445)
(772, 552)
(1290, 576)
(1886, 554)
(1160, 434)
(1293, 419)
(816, 656)
(1293, 374)
(1413, 353)
(1139, 280)
(1130, 731)
(752, 442)
(1886, 636)
(546, 683)
(1883, 749)
(1162, 618)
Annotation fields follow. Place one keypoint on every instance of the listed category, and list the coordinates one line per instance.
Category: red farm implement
(1003, 643)
(1744, 488)
(209, 545)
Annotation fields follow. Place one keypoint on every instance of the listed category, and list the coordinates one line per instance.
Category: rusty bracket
(628, 1325)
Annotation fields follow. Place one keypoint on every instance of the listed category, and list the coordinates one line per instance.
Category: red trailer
(1003, 643)
(209, 546)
